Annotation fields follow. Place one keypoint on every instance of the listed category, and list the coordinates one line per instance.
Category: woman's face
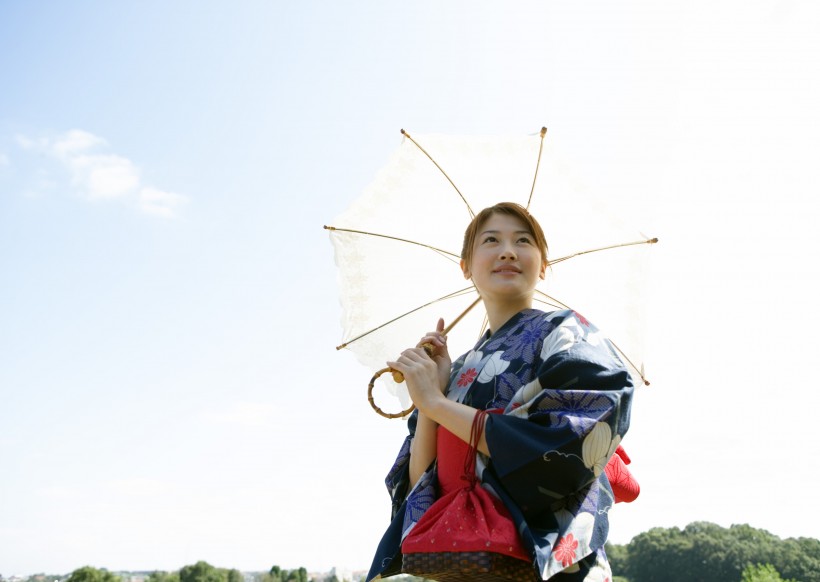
(506, 263)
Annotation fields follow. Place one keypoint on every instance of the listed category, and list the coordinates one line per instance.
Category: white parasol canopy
(397, 247)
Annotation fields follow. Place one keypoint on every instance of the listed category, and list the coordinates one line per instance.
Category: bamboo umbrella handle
(373, 402)
(398, 377)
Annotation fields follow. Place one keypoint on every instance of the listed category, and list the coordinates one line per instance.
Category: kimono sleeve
(398, 478)
(560, 429)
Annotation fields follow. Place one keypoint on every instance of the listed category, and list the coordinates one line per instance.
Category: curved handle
(398, 377)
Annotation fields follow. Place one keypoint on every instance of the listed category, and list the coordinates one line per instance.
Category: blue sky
(168, 310)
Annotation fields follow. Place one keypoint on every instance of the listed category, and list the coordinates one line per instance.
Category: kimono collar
(491, 340)
(489, 347)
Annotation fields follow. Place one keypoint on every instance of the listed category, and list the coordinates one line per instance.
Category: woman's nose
(507, 252)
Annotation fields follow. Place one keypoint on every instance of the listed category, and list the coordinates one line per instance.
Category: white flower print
(573, 329)
(494, 366)
(595, 337)
(600, 572)
(598, 446)
(560, 340)
(579, 525)
(576, 533)
(465, 376)
(519, 403)
(472, 360)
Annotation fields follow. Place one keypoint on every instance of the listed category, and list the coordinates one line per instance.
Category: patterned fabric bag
(467, 534)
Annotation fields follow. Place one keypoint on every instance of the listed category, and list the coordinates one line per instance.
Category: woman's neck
(500, 313)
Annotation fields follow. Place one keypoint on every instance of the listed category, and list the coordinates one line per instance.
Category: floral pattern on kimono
(565, 396)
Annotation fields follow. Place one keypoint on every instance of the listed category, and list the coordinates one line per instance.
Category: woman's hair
(510, 209)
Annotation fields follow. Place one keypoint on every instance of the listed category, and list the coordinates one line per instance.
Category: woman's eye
(525, 239)
(490, 239)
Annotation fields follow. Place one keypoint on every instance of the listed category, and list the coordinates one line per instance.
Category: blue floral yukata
(565, 396)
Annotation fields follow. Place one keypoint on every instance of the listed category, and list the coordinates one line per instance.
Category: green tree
(91, 574)
(747, 545)
(761, 573)
(618, 559)
(660, 555)
(706, 552)
(159, 576)
(277, 574)
(798, 558)
(201, 572)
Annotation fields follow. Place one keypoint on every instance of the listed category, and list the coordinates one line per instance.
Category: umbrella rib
(453, 323)
(537, 165)
(639, 242)
(386, 323)
(469, 209)
(628, 361)
(558, 303)
(447, 254)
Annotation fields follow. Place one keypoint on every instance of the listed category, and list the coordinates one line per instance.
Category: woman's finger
(415, 354)
(435, 340)
(412, 356)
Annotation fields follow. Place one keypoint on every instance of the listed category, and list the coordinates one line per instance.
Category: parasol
(397, 247)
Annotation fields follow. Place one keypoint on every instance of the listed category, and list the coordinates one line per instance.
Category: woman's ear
(464, 269)
(543, 273)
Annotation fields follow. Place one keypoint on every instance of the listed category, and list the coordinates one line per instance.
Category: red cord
(476, 430)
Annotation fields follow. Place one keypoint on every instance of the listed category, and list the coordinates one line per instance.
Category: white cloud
(75, 142)
(159, 202)
(29, 144)
(101, 175)
(104, 176)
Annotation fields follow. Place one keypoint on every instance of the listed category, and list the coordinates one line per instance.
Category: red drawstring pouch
(468, 531)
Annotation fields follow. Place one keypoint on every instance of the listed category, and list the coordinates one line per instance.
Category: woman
(565, 397)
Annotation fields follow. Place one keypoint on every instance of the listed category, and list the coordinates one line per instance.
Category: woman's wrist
(432, 407)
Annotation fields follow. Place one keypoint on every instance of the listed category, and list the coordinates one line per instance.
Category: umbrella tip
(653, 240)
(326, 227)
(403, 132)
(543, 131)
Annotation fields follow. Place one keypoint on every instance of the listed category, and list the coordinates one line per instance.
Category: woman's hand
(426, 375)
(440, 354)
